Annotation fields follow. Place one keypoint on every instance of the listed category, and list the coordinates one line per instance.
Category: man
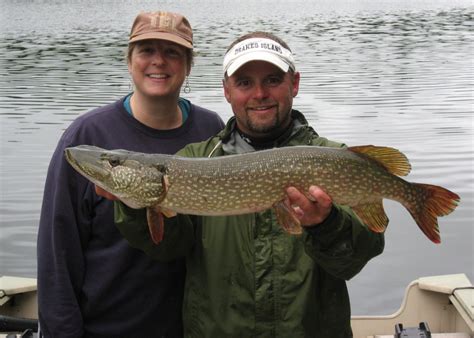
(247, 277)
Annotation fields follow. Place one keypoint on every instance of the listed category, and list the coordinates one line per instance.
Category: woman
(90, 282)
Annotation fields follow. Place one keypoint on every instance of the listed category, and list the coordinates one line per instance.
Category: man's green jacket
(246, 277)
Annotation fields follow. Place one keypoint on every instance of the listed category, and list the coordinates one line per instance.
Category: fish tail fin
(433, 201)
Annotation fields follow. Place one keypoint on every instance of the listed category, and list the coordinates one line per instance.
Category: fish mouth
(71, 157)
(68, 155)
(87, 161)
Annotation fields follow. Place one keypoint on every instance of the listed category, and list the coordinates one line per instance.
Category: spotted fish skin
(360, 177)
(256, 181)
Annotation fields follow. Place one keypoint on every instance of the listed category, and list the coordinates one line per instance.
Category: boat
(18, 307)
(434, 306)
(442, 304)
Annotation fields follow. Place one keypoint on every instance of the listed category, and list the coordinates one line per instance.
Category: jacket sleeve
(177, 240)
(62, 230)
(342, 244)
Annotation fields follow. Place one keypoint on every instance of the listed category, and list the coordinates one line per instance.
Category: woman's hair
(189, 53)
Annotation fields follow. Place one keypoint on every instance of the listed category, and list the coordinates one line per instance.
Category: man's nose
(260, 91)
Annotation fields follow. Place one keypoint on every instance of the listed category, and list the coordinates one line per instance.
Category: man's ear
(296, 83)
(225, 85)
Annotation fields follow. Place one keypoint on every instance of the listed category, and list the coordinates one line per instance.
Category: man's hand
(101, 192)
(311, 208)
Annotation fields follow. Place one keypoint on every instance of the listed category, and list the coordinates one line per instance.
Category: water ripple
(392, 73)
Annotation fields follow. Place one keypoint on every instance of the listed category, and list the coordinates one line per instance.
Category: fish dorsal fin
(390, 158)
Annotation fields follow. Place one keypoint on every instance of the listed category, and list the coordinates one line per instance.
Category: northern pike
(359, 177)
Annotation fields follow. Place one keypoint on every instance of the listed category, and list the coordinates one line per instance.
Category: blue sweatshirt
(91, 283)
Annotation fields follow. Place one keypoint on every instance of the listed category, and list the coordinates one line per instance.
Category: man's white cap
(258, 49)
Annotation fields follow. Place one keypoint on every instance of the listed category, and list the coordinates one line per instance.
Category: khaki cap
(162, 26)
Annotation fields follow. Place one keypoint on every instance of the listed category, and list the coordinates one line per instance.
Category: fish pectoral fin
(156, 224)
(373, 215)
(287, 218)
(168, 212)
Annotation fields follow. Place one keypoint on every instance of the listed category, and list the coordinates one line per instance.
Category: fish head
(133, 177)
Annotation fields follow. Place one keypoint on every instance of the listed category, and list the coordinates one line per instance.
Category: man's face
(261, 96)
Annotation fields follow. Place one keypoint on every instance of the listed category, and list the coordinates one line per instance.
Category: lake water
(393, 73)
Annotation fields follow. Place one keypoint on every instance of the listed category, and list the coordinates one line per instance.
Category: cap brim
(162, 36)
(257, 56)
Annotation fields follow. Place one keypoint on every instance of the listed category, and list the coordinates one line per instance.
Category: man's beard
(266, 128)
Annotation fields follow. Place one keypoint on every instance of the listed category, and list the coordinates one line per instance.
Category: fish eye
(114, 162)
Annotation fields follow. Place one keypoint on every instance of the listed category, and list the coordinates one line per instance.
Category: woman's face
(158, 67)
